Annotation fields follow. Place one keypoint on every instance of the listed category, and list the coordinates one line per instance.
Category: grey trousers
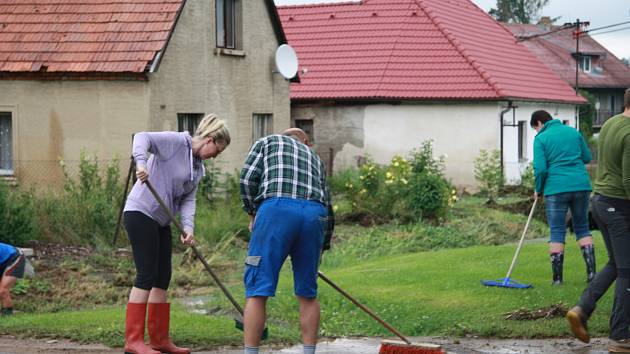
(613, 218)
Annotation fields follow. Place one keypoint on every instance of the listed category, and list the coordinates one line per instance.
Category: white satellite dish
(286, 61)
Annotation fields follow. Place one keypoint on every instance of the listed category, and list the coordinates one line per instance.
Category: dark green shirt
(613, 155)
(280, 166)
(560, 153)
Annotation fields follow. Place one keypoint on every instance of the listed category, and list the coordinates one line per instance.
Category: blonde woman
(174, 169)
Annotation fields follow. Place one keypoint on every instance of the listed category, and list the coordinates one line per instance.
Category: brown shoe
(577, 323)
(619, 346)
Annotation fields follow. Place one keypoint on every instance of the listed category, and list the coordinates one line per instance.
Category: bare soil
(557, 310)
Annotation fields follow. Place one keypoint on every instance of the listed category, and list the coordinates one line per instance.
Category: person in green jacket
(560, 155)
(611, 210)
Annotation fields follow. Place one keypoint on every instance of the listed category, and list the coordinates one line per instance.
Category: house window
(188, 122)
(307, 126)
(585, 63)
(263, 125)
(612, 105)
(6, 144)
(227, 21)
(522, 140)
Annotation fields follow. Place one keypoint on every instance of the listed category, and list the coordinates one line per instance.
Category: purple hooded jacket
(174, 173)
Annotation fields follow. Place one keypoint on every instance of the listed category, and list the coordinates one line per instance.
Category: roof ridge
(391, 53)
(458, 46)
(322, 4)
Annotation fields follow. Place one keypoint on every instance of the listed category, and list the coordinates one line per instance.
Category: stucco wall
(57, 119)
(458, 130)
(193, 79)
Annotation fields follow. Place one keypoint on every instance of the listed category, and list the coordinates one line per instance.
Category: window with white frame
(6, 144)
(188, 122)
(262, 125)
(585, 63)
(227, 23)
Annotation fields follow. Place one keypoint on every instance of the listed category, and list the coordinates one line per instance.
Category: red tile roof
(557, 51)
(413, 49)
(84, 36)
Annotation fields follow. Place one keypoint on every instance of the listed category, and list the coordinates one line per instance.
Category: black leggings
(151, 245)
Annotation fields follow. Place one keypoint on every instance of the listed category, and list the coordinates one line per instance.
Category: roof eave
(154, 65)
(73, 76)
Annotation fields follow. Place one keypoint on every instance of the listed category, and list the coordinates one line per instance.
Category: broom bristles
(396, 347)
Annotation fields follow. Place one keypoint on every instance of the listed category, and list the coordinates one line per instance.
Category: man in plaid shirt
(283, 188)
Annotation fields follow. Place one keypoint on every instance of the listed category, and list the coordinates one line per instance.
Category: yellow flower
(389, 175)
(395, 164)
(335, 207)
(404, 181)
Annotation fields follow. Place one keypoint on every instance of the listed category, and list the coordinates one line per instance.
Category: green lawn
(426, 293)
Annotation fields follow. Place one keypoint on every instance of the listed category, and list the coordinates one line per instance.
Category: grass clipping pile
(552, 311)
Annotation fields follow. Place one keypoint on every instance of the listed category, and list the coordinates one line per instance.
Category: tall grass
(18, 224)
(84, 212)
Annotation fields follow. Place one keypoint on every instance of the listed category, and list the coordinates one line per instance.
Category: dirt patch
(522, 314)
(70, 277)
(74, 277)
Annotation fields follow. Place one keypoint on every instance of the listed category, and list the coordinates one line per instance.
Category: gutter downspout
(501, 125)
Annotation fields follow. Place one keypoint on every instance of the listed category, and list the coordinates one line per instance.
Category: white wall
(459, 130)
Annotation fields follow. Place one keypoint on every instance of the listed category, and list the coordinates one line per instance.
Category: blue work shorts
(557, 205)
(283, 227)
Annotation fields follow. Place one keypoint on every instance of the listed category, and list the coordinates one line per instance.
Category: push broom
(388, 346)
(237, 322)
(507, 282)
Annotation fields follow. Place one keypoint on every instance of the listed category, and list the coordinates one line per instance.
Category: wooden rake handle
(363, 307)
(179, 227)
(520, 242)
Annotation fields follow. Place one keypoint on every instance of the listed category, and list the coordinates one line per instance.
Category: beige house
(86, 76)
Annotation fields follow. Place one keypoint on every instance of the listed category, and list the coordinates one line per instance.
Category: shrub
(429, 195)
(17, 216)
(422, 160)
(489, 174)
(528, 181)
(209, 186)
(404, 190)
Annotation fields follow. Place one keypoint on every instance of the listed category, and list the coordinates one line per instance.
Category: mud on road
(13, 345)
